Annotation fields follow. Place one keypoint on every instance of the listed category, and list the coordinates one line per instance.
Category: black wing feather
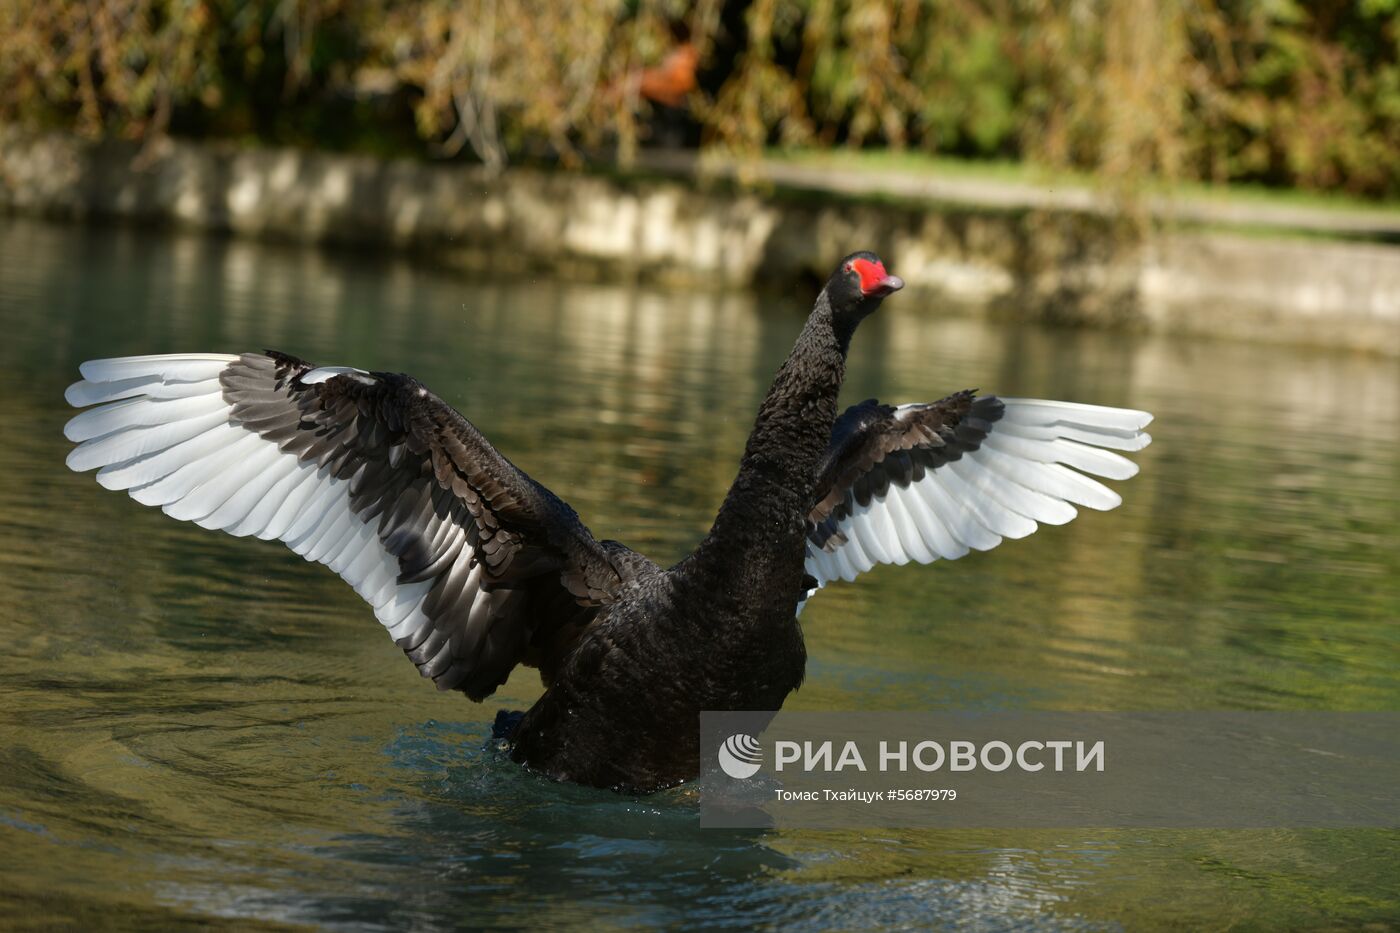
(436, 490)
(873, 445)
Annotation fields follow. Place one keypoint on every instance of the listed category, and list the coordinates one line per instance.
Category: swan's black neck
(756, 540)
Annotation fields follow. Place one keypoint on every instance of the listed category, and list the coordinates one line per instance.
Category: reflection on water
(200, 727)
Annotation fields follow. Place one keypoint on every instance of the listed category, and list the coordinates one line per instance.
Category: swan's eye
(850, 268)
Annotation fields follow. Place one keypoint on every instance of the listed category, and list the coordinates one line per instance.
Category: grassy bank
(1247, 209)
(923, 164)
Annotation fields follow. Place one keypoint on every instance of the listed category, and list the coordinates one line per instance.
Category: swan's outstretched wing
(920, 482)
(471, 565)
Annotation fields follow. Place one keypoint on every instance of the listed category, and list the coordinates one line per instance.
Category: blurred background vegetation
(1266, 91)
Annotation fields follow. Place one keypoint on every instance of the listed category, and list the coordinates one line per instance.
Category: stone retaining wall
(1034, 264)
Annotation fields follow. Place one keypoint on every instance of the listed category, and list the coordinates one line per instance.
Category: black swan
(474, 567)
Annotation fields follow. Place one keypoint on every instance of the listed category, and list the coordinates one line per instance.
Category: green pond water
(201, 729)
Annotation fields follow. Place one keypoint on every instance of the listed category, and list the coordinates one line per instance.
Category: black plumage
(475, 568)
(874, 445)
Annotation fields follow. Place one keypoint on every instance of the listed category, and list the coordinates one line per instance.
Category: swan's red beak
(874, 280)
(888, 284)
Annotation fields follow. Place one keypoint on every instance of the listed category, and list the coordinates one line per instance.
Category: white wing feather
(1020, 477)
(163, 432)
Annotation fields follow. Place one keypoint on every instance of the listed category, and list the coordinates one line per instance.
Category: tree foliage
(1306, 95)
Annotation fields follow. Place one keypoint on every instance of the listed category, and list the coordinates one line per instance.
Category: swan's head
(859, 284)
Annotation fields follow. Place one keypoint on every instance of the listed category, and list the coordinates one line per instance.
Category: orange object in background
(669, 82)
